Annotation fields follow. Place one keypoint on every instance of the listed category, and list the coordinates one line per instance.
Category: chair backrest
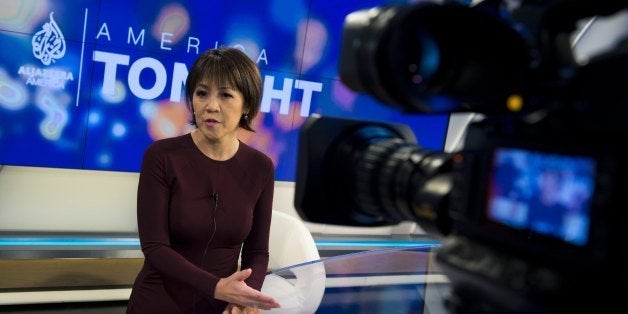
(290, 242)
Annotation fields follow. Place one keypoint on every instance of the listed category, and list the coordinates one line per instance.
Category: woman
(203, 197)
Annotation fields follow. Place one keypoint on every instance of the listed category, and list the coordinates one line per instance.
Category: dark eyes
(203, 93)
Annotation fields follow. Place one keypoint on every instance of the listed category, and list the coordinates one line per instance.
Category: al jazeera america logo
(48, 47)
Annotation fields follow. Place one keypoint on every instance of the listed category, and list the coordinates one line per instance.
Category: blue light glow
(136, 242)
(69, 242)
(328, 243)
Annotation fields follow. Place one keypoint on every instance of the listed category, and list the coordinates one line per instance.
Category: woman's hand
(234, 290)
(237, 309)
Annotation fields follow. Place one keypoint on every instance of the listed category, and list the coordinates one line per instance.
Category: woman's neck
(221, 149)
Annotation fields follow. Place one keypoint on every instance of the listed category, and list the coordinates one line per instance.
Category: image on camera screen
(545, 193)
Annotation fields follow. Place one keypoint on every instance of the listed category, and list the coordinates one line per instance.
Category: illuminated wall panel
(89, 84)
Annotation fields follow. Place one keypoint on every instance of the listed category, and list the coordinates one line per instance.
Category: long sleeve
(153, 199)
(255, 248)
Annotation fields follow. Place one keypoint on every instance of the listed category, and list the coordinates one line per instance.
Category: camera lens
(433, 58)
(387, 179)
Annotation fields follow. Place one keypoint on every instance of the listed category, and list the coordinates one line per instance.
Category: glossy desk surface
(390, 280)
(361, 275)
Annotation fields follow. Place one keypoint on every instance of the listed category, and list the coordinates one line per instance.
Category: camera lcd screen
(545, 193)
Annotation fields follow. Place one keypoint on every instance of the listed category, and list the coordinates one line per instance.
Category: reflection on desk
(399, 280)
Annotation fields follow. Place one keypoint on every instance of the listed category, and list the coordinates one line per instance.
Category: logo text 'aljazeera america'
(48, 46)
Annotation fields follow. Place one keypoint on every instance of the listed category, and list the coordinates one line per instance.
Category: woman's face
(217, 110)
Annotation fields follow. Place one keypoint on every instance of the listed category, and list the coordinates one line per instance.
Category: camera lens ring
(388, 186)
(408, 170)
(347, 160)
(389, 174)
(373, 169)
(368, 172)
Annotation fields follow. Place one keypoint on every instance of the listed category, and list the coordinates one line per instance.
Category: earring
(245, 116)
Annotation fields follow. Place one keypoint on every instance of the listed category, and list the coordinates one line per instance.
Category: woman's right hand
(234, 290)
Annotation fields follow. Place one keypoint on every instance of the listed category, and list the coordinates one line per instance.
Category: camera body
(503, 248)
(536, 214)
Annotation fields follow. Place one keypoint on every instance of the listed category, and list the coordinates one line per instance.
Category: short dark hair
(227, 66)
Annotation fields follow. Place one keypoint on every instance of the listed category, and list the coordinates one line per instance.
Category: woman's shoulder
(168, 145)
(252, 154)
(259, 166)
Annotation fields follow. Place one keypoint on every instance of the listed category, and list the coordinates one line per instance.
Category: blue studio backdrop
(89, 84)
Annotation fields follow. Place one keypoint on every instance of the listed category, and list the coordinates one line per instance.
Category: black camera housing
(508, 245)
(520, 269)
(324, 191)
(469, 203)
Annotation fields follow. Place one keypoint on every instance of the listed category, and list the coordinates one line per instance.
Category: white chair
(291, 243)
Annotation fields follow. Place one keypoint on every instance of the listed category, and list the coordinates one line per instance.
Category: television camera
(531, 210)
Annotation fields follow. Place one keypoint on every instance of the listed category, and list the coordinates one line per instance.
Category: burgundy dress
(194, 215)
